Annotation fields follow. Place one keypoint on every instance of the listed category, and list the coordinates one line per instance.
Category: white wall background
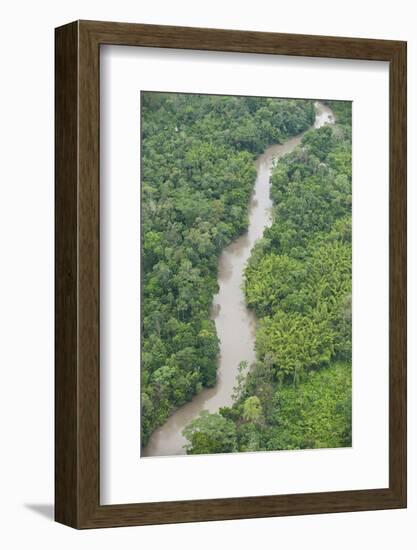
(26, 272)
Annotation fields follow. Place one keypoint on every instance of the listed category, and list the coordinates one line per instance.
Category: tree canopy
(197, 174)
(297, 395)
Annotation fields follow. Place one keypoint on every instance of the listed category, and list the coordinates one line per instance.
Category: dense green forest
(197, 176)
(297, 395)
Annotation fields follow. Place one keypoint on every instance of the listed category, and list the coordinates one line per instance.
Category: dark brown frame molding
(77, 472)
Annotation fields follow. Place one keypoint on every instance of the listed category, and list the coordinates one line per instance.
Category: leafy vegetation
(297, 395)
(197, 176)
(211, 433)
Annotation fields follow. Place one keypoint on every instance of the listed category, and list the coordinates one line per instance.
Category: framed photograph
(230, 274)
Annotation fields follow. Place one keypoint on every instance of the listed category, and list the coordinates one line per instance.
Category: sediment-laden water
(235, 323)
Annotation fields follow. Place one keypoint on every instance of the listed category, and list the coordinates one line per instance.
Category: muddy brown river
(235, 323)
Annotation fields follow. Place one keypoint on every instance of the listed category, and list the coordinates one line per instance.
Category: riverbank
(235, 323)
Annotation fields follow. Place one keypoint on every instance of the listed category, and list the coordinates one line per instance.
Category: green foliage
(342, 111)
(318, 142)
(297, 395)
(252, 409)
(295, 342)
(270, 280)
(299, 279)
(211, 433)
(314, 414)
(197, 175)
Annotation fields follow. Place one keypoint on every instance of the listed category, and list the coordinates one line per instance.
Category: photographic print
(246, 274)
(204, 274)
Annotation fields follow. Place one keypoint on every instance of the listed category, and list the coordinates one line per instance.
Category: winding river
(235, 323)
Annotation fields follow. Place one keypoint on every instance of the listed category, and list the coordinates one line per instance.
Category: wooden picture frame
(77, 382)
